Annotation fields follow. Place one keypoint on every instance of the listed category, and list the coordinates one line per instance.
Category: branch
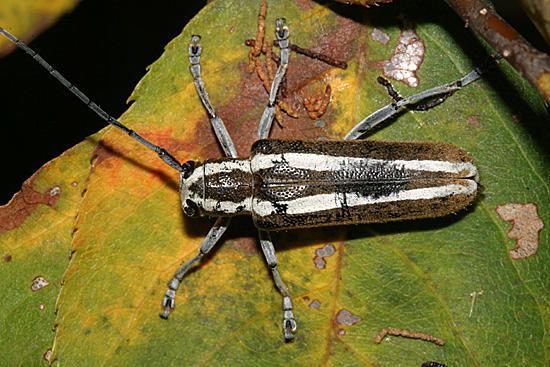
(532, 64)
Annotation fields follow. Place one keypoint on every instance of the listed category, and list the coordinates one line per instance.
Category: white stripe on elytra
(321, 202)
(227, 207)
(319, 162)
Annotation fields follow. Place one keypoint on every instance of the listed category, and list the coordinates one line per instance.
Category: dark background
(102, 47)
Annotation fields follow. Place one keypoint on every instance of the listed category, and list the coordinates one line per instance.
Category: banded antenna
(161, 152)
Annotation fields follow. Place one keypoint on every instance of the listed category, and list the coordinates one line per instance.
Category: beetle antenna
(161, 152)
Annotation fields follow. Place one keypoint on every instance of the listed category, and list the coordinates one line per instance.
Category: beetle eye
(190, 208)
(188, 168)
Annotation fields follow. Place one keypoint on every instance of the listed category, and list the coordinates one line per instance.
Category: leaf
(539, 13)
(28, 18)
(130, 234)
(35, 236)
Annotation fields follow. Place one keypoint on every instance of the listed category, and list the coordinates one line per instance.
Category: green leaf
(36, 229)
(130, 233)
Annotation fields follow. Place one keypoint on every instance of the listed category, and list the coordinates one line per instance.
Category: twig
(306, 52)
(408, 334)
(532, 64)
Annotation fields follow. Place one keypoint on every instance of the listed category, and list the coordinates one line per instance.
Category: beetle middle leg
(386, 112)
(289, 323)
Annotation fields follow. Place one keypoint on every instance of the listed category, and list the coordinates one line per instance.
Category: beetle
(287, 184)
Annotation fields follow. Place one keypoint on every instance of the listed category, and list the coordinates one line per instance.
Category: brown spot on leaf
(526, 227)
(345, 317)
(23, 203)
(407, 57)
(55, 191)
(380, 36)
(327, 250)
(321, 253)
(315, 304)
(473, 121)
(38, 283)
(48, 355)
(304, 4)
(319, 262)
(246, 244)
(7, 258)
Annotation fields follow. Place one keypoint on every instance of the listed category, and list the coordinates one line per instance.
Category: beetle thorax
(221, 187)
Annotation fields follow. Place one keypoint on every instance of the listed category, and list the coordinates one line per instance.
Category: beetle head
(191, 188)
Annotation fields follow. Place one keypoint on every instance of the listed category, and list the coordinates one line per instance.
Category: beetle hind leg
(289, 323)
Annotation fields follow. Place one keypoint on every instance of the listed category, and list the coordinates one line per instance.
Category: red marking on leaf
(23, 203)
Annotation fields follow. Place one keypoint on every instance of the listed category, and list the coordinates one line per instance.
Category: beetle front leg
(213, 236)
(289, 323)
(269, 112)
(220, 130)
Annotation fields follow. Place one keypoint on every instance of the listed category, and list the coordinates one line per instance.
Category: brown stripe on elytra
(390, 150)
(372, 213)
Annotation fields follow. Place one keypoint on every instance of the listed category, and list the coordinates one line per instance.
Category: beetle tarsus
(289, 325)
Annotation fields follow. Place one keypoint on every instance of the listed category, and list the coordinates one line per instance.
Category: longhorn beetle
(286, 184)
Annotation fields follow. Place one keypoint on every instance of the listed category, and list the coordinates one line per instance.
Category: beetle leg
(210, 240)
(289, 324)
(269, 112)
(388, 111)
(220, 130)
